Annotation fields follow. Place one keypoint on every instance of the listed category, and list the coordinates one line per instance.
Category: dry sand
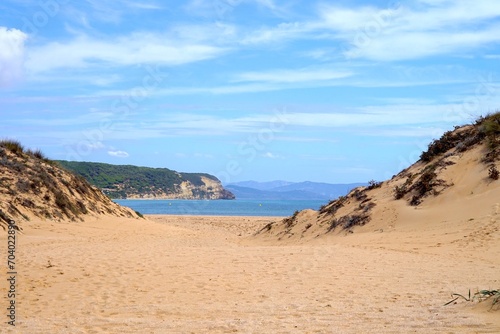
(180, 274)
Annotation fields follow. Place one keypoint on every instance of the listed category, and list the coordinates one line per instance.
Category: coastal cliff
(133, 182)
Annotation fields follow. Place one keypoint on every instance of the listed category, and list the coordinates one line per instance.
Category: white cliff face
(211, 189)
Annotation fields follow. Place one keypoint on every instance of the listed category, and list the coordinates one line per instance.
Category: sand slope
(208, 275)
(34, 187)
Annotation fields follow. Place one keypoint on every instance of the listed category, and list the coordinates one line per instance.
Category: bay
(278, 208)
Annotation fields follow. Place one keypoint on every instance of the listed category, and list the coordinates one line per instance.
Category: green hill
(127, 181)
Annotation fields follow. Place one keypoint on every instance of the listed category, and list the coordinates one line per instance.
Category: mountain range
(284, 190)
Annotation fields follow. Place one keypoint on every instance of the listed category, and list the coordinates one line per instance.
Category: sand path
(201, 275)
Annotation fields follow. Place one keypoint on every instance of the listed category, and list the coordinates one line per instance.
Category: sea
(237, 207)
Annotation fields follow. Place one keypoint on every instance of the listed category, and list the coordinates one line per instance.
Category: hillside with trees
(127, 181)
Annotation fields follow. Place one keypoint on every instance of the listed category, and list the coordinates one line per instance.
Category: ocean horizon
(237, 207)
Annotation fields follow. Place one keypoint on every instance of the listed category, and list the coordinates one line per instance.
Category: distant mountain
(251, 193)
(127, 181)
(262, 185)
(283, 190)
(325, 189)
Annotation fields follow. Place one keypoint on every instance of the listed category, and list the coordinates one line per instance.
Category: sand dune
(209, 275)
(365, 263)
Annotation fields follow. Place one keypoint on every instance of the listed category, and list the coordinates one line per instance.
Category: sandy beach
(189, 274)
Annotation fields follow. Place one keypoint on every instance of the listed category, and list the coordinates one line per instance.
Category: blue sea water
(278, 208)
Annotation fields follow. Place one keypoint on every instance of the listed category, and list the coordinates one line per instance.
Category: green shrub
(491, 124)
(490, 127)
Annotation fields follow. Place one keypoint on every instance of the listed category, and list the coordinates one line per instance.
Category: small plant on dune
(425, 184)
(266, 228)
(12, 145)
(438, 146)
(349, 221)
(63, 203)
(289, 222)
(367, 205)
(333, 206)
(400, 191)
(490, 126)
(38, 154)
(479, 296)
(493, 172)
(359, 195)
(23, 186)
(4, 217)
(372, 184)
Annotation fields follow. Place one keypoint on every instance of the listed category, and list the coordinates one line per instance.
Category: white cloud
(11, 55)
(222, 9)
(418, 29)
(142, 5)
(414, 30)
(282, 32)
(376, 116)
(95, 145)
(118, 154)
(414, 45)
(425, 132)
(203, 156)
(133, 49)
(293, 76)
(270, 155)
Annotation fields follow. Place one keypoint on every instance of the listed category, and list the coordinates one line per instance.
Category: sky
(325, 91)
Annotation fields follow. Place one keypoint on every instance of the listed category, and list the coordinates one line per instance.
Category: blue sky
(327, 91)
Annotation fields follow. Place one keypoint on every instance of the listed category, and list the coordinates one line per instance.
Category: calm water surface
(279, 208)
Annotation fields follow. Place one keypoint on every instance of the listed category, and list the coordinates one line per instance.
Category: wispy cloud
(271, 155)
(134, 49)
(143, 5)
(415, 30)
(287, 31)
(293, 75)
(118, 154)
